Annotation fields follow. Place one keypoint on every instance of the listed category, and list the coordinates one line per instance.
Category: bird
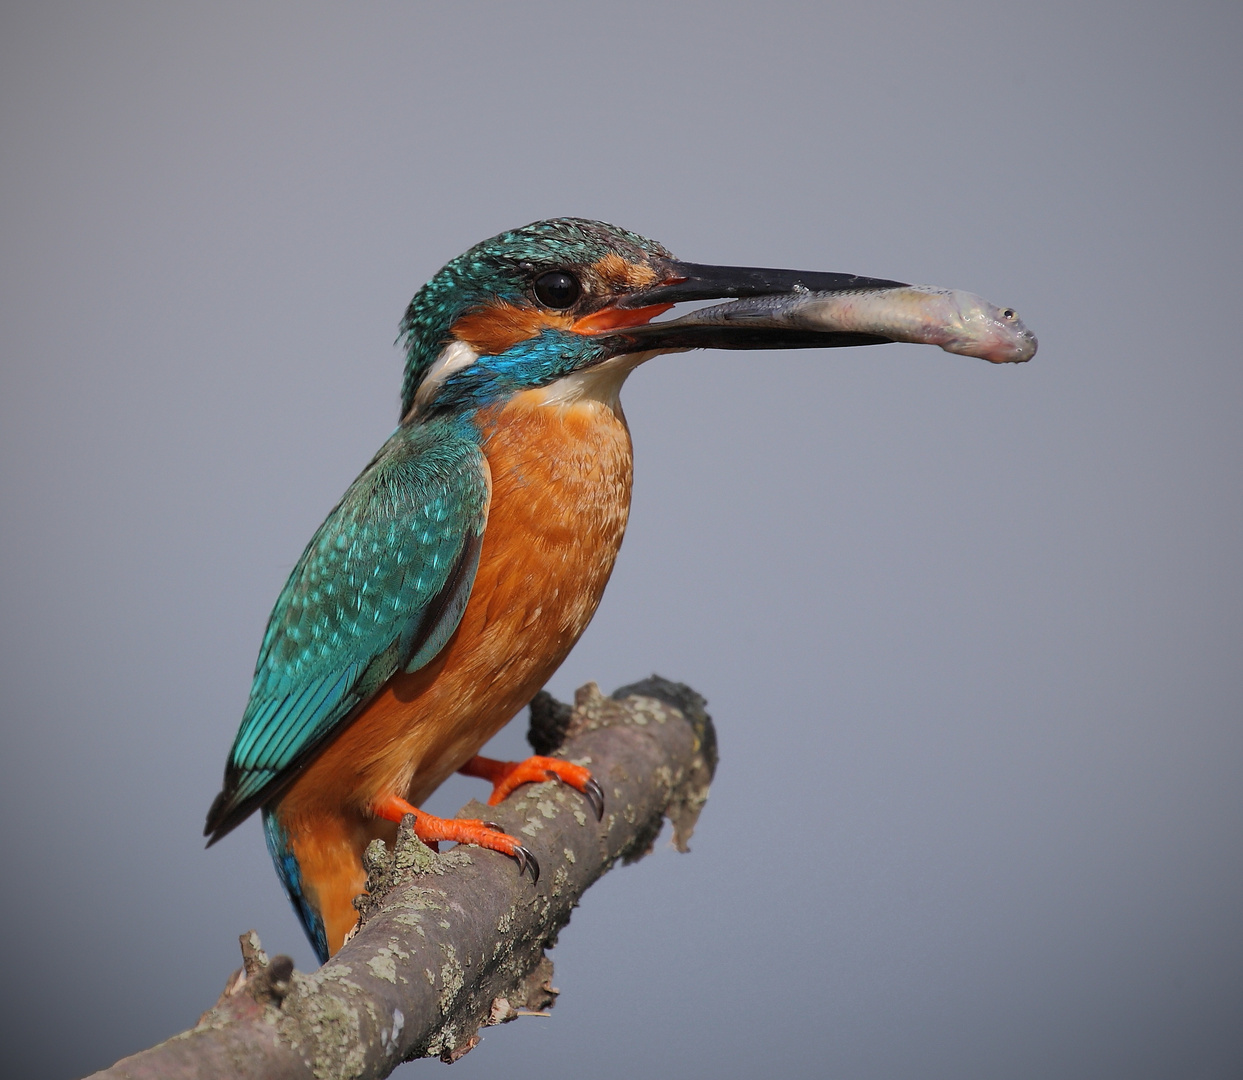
(464, 562)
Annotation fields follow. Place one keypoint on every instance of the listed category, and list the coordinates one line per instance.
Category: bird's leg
(485, 834)
(505, 776)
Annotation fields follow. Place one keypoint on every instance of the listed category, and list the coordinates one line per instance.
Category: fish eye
(557, 289)
(1009, 314)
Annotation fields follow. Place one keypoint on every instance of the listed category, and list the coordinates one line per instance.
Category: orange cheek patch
(622, 274)
(493, 329)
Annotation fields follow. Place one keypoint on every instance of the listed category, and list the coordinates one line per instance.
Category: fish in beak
(792, 309)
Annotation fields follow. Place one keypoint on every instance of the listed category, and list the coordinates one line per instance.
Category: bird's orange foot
(485, 834)
(507, 775)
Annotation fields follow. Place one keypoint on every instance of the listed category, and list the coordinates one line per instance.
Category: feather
(380, 588)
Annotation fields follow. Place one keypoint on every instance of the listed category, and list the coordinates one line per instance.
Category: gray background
(971, 635)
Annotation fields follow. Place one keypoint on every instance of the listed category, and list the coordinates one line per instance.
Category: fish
(958, 321)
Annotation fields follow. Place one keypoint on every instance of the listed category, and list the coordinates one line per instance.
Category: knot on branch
(550, 720)
(387, 869)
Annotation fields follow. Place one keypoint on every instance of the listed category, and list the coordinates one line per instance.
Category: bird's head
(538, 304)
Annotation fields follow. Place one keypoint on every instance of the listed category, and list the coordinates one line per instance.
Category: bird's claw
(527, 860)
(594, 794)
(591, 791)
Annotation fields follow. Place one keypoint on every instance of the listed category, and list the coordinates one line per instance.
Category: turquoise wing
(381, 587)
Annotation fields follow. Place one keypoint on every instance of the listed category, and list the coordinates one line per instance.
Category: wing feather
(381, 587)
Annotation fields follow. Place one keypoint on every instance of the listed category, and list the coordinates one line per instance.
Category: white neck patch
(603, 382)
(453, 357)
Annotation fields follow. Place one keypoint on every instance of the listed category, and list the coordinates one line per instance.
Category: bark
(451, 943)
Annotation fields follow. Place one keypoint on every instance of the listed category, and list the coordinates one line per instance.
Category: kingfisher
(459, 569)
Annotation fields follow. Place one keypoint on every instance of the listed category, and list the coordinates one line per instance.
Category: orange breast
(561, 479)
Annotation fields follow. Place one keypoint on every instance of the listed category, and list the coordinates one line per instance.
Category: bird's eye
(557, 289)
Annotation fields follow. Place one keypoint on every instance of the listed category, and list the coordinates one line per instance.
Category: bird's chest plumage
(561, 480)
(561, 476)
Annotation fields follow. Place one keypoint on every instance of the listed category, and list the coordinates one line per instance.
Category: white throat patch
(603, 382)
(453, 357)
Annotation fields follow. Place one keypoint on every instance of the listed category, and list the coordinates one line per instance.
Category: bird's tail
(290, 872)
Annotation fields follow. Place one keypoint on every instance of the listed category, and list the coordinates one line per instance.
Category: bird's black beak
(684, 282)
(698, 281)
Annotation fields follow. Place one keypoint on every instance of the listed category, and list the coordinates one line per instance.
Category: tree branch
(451, 943)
